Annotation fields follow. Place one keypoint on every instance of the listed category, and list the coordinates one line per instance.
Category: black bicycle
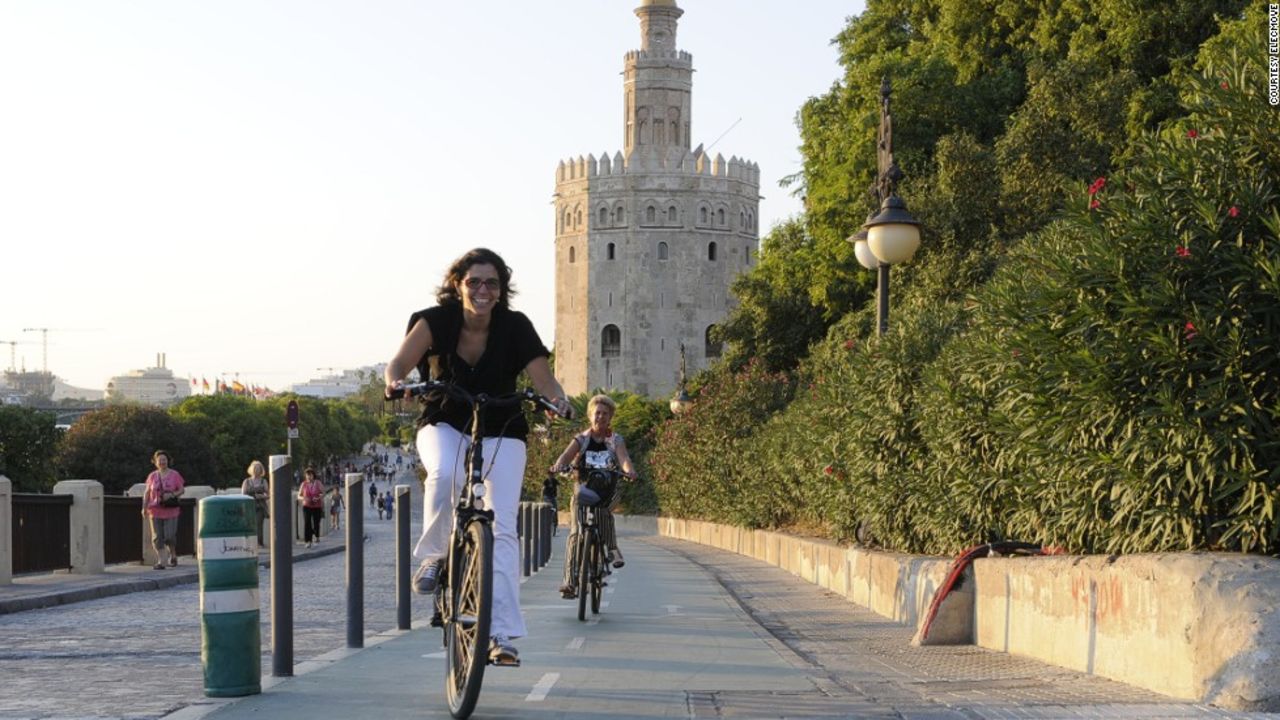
(595, 493)
(464, 593)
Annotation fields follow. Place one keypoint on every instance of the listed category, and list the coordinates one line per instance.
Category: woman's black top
(511, 345)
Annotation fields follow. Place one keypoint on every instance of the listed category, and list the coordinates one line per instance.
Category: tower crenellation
(650, 238)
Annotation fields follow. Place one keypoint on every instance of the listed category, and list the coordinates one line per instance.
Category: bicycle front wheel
(586, 544)
(466, 628)
(597, 574)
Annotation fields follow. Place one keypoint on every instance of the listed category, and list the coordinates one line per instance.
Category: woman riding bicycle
(596, 447)
(473, 339)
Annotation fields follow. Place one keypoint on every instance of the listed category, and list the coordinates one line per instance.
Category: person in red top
(312, 496)
(159, 503)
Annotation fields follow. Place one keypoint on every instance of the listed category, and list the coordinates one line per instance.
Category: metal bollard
(535, 529)
(355, 560)
(230, 616)
(548, 526)
(526, 538)
(281, 566)
(403, 549)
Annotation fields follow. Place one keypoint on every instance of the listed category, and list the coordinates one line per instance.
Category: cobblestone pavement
(138, 655)
(859, 656)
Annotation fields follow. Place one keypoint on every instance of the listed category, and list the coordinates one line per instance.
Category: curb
(108, 587)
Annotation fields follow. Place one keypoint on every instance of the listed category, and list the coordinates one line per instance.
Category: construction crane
(44, 339)
(13, 353)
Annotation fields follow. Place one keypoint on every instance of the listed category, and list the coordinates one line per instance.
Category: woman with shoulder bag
(160, 503)
(255, 486)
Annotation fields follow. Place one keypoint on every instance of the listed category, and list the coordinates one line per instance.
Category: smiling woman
(473, 339)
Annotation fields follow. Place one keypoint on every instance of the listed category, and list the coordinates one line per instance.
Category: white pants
(444, 457)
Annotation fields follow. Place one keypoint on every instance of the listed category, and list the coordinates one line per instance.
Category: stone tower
(649, 239)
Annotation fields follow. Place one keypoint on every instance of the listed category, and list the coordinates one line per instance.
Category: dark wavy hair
(448, 291)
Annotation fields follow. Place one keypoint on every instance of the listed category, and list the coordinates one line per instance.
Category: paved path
(694, 632)
(137, 655)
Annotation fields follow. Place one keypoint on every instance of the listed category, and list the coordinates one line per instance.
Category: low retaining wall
(1197, 626)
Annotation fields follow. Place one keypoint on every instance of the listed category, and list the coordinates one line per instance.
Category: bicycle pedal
(505, 662)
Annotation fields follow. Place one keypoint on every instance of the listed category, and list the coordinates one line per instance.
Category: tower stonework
(649, 239)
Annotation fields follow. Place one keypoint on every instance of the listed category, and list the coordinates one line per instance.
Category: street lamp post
(891, 235)
(681, 401)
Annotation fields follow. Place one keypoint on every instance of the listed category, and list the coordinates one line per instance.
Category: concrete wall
(1197, 626)
(1201, 626)
(87, 551)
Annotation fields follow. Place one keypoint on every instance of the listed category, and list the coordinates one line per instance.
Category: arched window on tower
(702, 215)
(572, 254)
(604, 216)
(662, 251)
(751, 221)
(712, 345)
(567, 218)
(720, 217)
(610, 249)
(673, 215)
(577, 221)
(651, 215)
(610, 341)
(711, 252)
(742, 219)
(619, 216)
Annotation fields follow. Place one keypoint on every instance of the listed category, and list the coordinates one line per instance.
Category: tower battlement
(675, 161)
(639, 55)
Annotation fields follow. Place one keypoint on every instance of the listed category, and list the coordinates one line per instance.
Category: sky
(266, 189)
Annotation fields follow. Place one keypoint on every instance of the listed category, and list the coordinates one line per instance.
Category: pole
(882, 298)
(281, 566)
(355, 560)
(526, 537)
(402, 557)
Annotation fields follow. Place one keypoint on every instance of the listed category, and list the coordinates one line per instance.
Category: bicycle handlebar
(462, 394)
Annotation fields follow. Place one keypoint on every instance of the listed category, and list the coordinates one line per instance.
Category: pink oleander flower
(1223, 85)
(1093, 204)
(828, 470)
(1016, 353)
(849, 344)
(1182, 252)
(1189, 330)
(1234, 211)
(1193, 133)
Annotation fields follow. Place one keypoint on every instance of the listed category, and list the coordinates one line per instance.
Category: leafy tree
(236, 428)
(114, 446)
(28, 442)
(776, 318)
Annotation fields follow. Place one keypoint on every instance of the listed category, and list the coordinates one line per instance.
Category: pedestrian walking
(311, 493)
(336, 504)
(255, 486)
(160, 503)
(389, 502)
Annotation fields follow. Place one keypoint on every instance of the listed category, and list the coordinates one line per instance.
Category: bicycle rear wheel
(586, 542)
(466, 628)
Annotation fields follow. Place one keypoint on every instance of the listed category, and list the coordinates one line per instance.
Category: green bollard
(231, 641)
